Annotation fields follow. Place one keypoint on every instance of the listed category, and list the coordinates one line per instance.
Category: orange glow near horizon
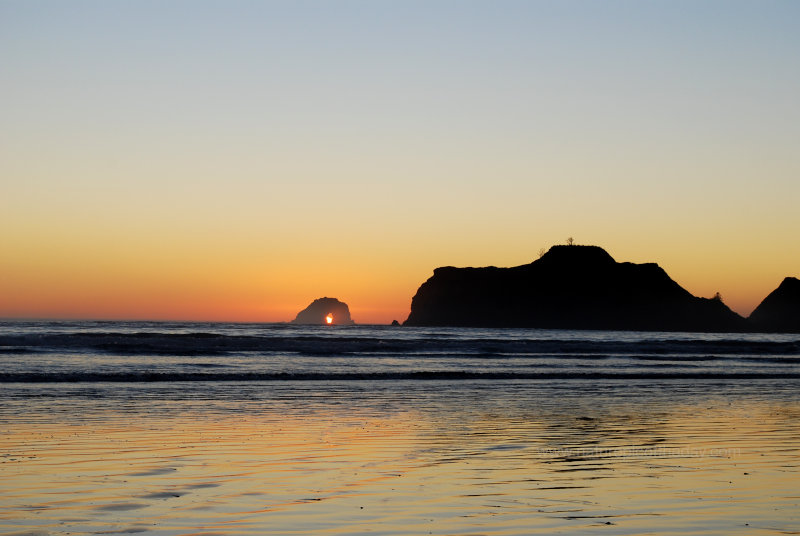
(74, 280)
(329, 318)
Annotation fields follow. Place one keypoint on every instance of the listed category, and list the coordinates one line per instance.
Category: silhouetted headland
(569, 287)
(325, 311)
(780, 310)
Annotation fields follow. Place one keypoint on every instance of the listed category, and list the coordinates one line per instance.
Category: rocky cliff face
(570, 287)
(323, 309)
(780, 311)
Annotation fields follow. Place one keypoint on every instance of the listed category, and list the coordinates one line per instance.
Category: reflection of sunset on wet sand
(534, 461)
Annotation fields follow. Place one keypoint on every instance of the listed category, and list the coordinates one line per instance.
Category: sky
(235, 160)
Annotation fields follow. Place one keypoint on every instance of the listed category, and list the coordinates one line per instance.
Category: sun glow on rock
(325, 312)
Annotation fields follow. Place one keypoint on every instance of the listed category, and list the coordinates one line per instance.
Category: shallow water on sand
(405, 457)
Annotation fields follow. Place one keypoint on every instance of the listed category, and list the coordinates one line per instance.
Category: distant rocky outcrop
(323, 309)
(570, 287)
(780, 311)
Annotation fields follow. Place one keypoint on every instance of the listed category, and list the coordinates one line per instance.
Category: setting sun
(329, 318)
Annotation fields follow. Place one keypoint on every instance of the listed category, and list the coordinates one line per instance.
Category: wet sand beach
(515, 457)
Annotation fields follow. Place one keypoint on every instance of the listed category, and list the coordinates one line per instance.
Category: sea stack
(569, 287)
(780, 311)
(325, 311)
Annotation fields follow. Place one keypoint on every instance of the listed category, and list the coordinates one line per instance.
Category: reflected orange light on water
(347, 470)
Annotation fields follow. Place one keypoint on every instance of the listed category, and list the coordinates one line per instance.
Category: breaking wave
(182, 352)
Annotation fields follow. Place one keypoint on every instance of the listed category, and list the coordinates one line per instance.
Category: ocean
(213, 428)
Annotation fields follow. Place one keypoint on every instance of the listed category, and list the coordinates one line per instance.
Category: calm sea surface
(192, 428)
